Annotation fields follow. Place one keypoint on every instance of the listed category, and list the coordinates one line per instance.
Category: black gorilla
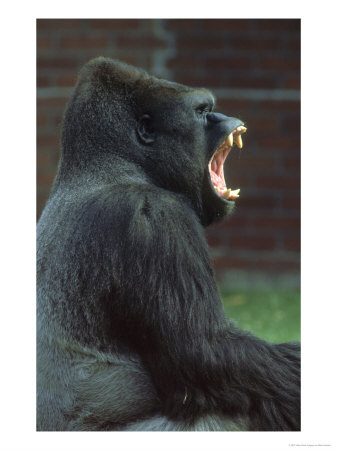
(131, 330)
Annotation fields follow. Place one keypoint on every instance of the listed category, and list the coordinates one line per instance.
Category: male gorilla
(131, 330)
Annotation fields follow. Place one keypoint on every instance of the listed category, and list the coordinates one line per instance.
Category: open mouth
(217, 161)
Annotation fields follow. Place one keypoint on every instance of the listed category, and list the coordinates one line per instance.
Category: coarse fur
(131, 332)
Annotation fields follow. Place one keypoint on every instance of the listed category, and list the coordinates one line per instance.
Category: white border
(319, 191)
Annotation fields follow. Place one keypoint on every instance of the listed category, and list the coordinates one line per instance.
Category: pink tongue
(217, 171)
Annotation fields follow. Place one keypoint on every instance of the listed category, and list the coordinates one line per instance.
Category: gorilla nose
(216, 117)
(228, 124)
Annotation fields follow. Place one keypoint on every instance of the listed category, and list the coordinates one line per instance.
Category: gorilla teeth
(235, 194)
(217, 161)
(237, 135)
(229, 140)
(238, 140)
(234, 136)
(226, 194)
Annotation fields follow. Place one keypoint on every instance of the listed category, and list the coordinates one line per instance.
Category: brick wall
(252, 66)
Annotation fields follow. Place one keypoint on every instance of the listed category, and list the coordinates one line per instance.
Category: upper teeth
(238, 140)
(237, 135)
(234, 136)
(229, 140)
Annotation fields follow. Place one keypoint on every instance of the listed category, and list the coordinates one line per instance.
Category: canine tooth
(238, 140)
(227, 193)
(235, 192)
(229, 140)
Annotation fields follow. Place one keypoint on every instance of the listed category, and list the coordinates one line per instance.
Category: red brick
(294, 44)
(264, 124)
(278, 182)
(292, 244)
(55, 121)
(257, 203)
(56, 63)
(42, 81)
(282, 105)
(229, 105)
(199, 43)
(182, 24)
(45, 179)
(185, 62)
(41, 120)
(225, 25)
(292, 203)
(245, 242)
(292, 83)
(228, 63)
(234, 224)
(251, 162)
(292, 163)
(279, 25)
(42, 159)
(140, 43)
(279, 63)
(60, 24)
(208, 80)
(277, 223)
(235, 221)
(231, 262)
(48, 141)
(290, 125)
(84, 42)
(251, 82)
(277, 265)
(117, 24)
(238, 180)
(43, 43)
(215, 239)
(66, 80)
(143, 61)
(255, 44)
(279, 142)
(51, 102)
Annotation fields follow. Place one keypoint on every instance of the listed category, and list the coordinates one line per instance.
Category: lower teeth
(228, 193)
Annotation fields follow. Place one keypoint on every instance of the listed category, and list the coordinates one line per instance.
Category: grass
(273, 315)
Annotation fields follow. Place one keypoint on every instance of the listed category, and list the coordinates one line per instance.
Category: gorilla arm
(166, 307)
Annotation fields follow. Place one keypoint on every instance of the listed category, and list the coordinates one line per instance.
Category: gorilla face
(200, 140)
(166, 129)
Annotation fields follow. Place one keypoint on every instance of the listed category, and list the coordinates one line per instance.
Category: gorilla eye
(203, 109)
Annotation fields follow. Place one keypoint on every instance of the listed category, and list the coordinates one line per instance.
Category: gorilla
(131, 332)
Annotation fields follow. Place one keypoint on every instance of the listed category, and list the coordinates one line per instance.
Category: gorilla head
(168, 130)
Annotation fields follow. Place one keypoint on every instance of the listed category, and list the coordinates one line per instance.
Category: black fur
(131, 330)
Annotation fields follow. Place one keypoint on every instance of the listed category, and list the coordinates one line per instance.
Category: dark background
(253, 68)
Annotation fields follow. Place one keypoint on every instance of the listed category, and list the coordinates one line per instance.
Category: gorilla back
(131, 333)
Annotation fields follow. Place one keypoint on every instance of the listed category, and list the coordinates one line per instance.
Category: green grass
(273, 315)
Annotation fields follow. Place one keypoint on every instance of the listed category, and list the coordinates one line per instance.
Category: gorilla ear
(145, 129)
